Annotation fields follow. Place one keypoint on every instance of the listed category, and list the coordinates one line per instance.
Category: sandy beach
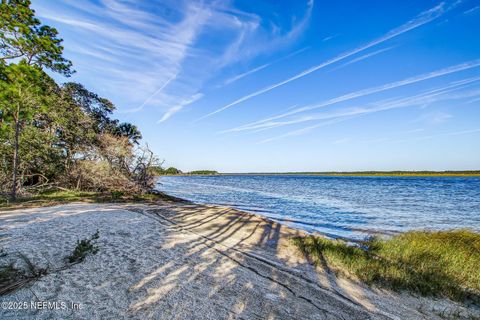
(178, 260)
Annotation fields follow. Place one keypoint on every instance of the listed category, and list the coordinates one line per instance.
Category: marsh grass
(444, 263)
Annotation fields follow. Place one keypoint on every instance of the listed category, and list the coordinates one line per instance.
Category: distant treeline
(204, 172)
(171, 171)
(372, 173)
(159, 171)
(453, 173)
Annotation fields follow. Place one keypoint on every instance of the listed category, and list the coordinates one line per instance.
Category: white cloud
(341, 141)
(423, 18)
(170, 112)
(365, 56)
(152, 96)
(472, 10)
(269, 122)
(261, 67)
(327, 118)
(441, 135)
(152, 54)
(437, 117)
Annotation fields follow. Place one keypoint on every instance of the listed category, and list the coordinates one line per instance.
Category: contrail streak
(422, 19)
(430, 96)
(361, 93)
(151, 97)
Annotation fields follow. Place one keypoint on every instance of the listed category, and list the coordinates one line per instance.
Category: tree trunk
(78, 182)
(15, 160)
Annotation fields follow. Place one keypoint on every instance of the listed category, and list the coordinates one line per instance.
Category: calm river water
(350, 207)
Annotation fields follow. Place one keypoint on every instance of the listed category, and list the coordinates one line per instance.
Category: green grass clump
(443, 263)
(54, 197)
(83, 248)
(51, 197)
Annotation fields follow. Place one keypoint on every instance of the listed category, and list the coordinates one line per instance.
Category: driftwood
(15, 279)
(18, 279)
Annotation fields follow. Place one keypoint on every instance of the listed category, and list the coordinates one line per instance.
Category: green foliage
(98, 109)
(58, 135)
(22, 36)
(204, 172)
(24, 87)
(168, 171)
(443, 263)
(463, 173)
(83, 248)
(52, 197)
(129, 131)
(156, 170)
(64, 195)
(23, 90)
(117, 194)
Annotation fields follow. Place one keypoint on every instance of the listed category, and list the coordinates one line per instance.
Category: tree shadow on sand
(227, 265)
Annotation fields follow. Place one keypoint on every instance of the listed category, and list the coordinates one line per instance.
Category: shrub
(117, 194)
(83, 248)
(115, 166)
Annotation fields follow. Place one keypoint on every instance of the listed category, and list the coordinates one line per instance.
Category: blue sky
(244, 86)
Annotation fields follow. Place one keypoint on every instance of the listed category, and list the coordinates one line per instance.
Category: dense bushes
(72, 143)
(116, 164)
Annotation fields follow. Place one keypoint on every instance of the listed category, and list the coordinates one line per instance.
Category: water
(348, 207)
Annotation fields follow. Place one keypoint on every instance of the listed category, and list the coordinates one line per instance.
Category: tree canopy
(23, 37)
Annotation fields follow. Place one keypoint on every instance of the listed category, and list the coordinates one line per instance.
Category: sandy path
(182, 261)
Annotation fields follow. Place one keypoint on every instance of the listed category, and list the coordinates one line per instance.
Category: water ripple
(351, 207)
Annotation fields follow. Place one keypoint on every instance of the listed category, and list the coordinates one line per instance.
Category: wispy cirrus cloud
(422, 19)
(157, 54)
(261, 67)
(152, 96)
(365, 56)
(131, 52)
(413, 137)
(341, 141)
(170, 112)
(440, 135)
(450, 92)
(305, 130)
(330, 37)
(434, 118)
(472, 10)
(273, 121)
(473, 100)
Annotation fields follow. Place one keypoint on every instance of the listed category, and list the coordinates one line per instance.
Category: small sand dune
(184, 261)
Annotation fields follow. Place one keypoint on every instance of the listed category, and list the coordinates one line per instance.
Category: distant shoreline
(467, 173)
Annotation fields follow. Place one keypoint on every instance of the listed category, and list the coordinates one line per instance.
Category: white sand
(179, 261)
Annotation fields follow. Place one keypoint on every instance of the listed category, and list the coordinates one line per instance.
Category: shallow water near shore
(347, 207)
